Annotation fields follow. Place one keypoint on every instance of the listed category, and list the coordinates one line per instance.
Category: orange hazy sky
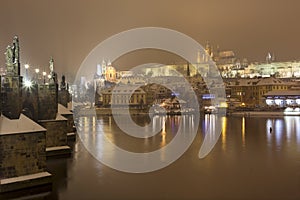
(69, 29)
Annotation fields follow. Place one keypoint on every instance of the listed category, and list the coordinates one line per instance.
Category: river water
(248, 162)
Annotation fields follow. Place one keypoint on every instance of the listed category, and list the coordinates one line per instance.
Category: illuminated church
(106, 71)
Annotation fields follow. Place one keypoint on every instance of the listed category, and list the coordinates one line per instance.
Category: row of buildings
(249, 92)
(257, 91)
(249, 85)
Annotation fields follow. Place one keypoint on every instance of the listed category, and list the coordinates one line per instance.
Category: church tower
(208, 50)
(103, 65)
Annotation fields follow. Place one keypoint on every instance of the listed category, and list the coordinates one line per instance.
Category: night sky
(69, 29)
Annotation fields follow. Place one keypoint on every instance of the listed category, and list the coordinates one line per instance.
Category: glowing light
(243, 131)
(37, 70)
(269, 125)
(290, 126)
(44, 73)
(27, 83)
(223, 105)
(224, 127)
(278, 131)
(269, 102)
(26, 66)
(288, 109)
(290, 101)
(278, 102)
(49, 76)
(243, 104)
(163, 139)
(291, 111)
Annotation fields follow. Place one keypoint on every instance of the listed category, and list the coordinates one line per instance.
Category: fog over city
(68, 30)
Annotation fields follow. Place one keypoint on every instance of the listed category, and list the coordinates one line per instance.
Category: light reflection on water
(91, 127)
(279, 132)
(224, 127)
(248, 161)
(283, 132)
(243, 132)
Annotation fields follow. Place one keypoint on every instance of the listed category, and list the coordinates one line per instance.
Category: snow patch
(24, 178)
(21, 125)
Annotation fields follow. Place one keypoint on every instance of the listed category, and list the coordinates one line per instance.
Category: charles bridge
(35, 124)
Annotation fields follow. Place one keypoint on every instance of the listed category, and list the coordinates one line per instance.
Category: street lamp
(44, 76)
(37, 74)
(26, 71)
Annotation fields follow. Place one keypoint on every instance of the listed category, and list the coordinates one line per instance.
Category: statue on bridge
(16, 49)
(12, 56)
(63, 85)
(53, 75)
(9, 56)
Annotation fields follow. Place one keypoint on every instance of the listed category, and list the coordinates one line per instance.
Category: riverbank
(136, 111)
(262, 114)
(108, 111)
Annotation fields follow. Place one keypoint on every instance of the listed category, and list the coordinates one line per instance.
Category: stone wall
(11, 96)
(30, 102)
(66, 113)
(64, 97)
(56, 134)
(70, 122)
(22, 154)
(47, 101)
(0, 97)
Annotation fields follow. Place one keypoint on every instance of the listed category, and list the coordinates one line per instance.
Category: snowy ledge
(21, 125)
(63, 110)
(71, 134)
(58, 148)
(25, 178)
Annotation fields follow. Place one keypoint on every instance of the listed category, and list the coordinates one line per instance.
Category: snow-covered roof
(243, 82)
(270, 81)
(124, 89)
(283, 93)
(21, 125)
(258, 82)
(60, 117)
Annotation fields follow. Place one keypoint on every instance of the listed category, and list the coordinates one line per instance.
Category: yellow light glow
(163, 135)
(224, 127)
(243, 131)
(223, 105)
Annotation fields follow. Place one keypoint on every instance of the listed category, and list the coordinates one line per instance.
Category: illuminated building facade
(106, 71)
(252, 91)
(123, 96)
(287, 98)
